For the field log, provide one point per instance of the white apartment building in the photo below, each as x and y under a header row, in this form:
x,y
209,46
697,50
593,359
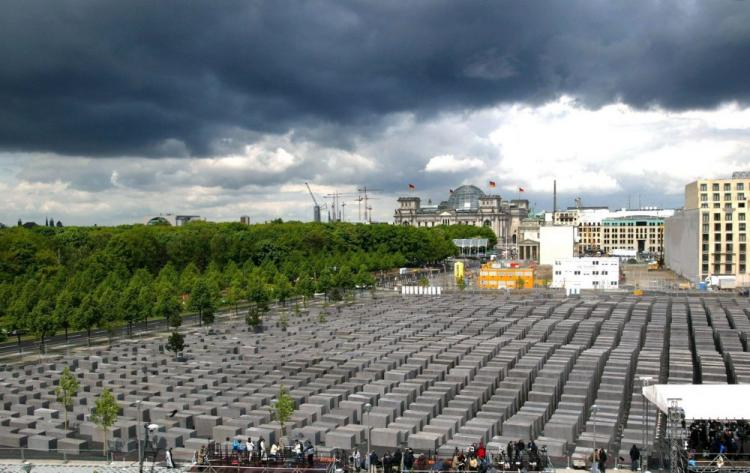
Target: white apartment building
x,y
575,274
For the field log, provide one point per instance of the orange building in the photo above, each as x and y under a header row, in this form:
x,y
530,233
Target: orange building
x,y
493,276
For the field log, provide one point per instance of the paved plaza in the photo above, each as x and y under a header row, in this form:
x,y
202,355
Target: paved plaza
x,y
438,373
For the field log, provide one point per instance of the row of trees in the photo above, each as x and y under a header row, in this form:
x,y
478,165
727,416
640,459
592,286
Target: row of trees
x,y
53,280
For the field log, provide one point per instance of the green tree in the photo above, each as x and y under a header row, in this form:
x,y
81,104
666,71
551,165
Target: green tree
x,y
283,408
169,278
167,307
88,315
202,301
282,288
176,343
66,391
137,299
305,287
188,277
520,283
461,284
65,308
284,321
234,294
41,323
106,411
423,281
257,293
254,318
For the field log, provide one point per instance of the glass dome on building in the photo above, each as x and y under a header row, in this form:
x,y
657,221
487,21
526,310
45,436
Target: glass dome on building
x,y
465,198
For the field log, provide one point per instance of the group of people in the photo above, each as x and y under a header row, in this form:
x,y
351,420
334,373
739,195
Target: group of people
x,y
598,461
712,437
514,451
391,462
474,459
239,452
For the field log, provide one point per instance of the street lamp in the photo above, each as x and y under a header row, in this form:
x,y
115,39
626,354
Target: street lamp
x,y
594,410
366,410
138,432
645,381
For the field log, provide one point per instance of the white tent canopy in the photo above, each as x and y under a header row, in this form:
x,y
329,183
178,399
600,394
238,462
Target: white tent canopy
x,y
703,401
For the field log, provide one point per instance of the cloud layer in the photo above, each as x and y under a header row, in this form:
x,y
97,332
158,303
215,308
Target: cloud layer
x,y
144,78
110,110
607,156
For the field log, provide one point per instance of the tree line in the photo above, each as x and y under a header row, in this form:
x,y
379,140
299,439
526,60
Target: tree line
x,y
57,279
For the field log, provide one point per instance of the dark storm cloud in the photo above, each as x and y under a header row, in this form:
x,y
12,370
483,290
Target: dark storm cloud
x,y
168,78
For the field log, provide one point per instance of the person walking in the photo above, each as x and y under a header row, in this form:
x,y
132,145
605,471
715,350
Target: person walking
x,y
169,461
373,462
635,456
594,461
602,461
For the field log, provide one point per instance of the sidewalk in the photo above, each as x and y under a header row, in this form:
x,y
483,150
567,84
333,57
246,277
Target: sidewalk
x,y
80,466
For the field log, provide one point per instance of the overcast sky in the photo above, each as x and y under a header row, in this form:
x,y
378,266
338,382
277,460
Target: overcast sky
x,y
111,111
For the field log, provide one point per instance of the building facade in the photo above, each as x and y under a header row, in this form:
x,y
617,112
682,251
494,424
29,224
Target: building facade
x,y
721,212
556,243
586,273
494,276
467,205
604,231
641,233
682,234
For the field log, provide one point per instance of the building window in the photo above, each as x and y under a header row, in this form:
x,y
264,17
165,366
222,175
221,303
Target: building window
x,y
716,197
704,187
740,186
717,216
715,186
577,273
741,196
704,197
717,227
558,272
727,196
728,227
604,273
727,187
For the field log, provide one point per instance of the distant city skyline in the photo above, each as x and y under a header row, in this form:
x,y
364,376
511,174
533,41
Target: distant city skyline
x,y
111,112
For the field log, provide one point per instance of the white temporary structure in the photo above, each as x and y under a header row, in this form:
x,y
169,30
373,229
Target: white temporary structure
x,y
703,401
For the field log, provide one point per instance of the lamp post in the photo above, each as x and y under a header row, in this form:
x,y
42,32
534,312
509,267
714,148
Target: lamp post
x,y
594,410
645,381
366,410
138,433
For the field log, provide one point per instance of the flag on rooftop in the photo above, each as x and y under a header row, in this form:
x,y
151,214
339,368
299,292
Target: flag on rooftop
x,y
492,184
412,186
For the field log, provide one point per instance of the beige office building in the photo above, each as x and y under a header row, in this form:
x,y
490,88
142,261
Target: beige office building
x,y
722,211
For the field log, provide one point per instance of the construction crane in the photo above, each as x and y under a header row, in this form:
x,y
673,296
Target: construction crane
x,y
316,207
368,210
336,204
